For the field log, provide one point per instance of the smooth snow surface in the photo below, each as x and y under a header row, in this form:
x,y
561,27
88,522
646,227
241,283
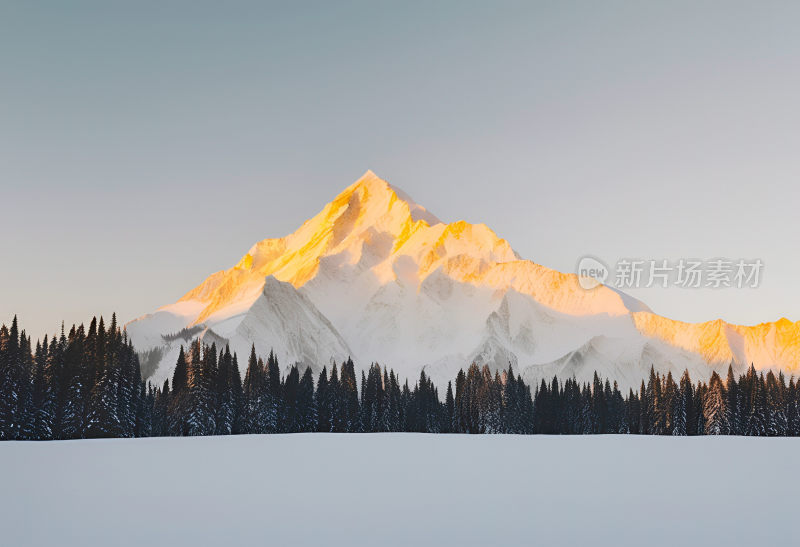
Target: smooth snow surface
x,y
400,489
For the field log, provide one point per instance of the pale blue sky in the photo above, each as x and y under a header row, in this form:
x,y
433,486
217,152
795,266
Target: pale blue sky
x,y
146,145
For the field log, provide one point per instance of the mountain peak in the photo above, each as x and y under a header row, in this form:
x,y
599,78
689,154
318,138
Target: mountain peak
x,y
373,191
369,176
367,187
376,276
370,181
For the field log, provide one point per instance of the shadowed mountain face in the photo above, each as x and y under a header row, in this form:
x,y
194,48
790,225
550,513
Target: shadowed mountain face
x,y
377,277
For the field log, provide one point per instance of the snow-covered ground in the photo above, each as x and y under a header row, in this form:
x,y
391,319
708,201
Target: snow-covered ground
x,y
400,489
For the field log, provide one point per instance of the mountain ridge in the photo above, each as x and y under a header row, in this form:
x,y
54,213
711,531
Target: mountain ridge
x,y
381,277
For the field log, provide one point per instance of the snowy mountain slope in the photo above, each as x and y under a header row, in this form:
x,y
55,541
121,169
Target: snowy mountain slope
x,y
767,345
624,360
280,319
376,276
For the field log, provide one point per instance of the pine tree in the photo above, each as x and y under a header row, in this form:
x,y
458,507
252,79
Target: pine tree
x,y
57,373
71,424
177,411
201,410
658,422
633,412
124,357
681,406
792,414
338,417
392,416
255,393
450,405
322,399
7,387
619,421
776,414
291,412
733,403
645,408
43,394
757,421
306,404
461,404
103,419
715,412
161,400
348,390
273,410
16,401
229,395
235,385
669,393
144,415
599,406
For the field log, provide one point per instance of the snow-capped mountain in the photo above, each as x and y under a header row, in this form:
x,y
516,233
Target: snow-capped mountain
x,y
377,277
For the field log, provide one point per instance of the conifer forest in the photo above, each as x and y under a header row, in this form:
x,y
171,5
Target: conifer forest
x,y
87,383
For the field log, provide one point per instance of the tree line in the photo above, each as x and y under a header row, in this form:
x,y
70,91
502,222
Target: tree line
x,y
86,383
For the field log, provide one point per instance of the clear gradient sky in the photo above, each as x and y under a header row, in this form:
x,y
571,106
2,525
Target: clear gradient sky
x,y
145,145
